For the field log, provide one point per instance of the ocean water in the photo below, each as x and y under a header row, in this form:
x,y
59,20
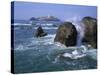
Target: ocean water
x,y
42,54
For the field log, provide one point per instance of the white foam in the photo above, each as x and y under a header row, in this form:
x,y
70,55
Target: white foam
x,y
78,56
75,52
47,27
47,40
67,55
74,55
21,47
84,49
19,24
51,35
60,46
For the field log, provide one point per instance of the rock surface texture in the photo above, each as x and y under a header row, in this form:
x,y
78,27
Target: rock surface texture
x,y
40,32
66,34
90,34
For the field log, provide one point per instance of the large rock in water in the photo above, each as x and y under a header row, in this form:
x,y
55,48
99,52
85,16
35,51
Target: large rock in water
x,y
90,35
40,32
66,34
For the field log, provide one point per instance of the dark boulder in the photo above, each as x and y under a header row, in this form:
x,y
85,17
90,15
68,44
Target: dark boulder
x,y
90,34
40,32
66,34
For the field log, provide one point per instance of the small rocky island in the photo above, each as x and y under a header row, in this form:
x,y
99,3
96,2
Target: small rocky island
x,y
48,18
44,18
40,32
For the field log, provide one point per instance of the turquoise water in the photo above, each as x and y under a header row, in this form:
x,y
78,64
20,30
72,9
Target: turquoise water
x,y
33,54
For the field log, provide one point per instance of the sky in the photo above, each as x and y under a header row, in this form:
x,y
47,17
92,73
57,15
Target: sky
x,y
26,10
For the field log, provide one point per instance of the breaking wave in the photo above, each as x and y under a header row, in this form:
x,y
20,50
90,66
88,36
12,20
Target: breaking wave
x,y
63,51
47,27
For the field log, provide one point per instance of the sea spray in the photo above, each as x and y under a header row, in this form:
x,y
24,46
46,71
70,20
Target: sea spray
x,y
28,56
80,29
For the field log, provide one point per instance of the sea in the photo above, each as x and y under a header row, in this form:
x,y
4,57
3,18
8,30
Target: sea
x,y
42,54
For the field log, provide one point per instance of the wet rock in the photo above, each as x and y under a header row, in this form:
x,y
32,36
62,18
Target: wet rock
x,y
66,34
90,34
40,32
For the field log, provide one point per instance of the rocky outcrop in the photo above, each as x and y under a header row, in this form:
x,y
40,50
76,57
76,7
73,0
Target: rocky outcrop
x,y
90,34
40,32
66,34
